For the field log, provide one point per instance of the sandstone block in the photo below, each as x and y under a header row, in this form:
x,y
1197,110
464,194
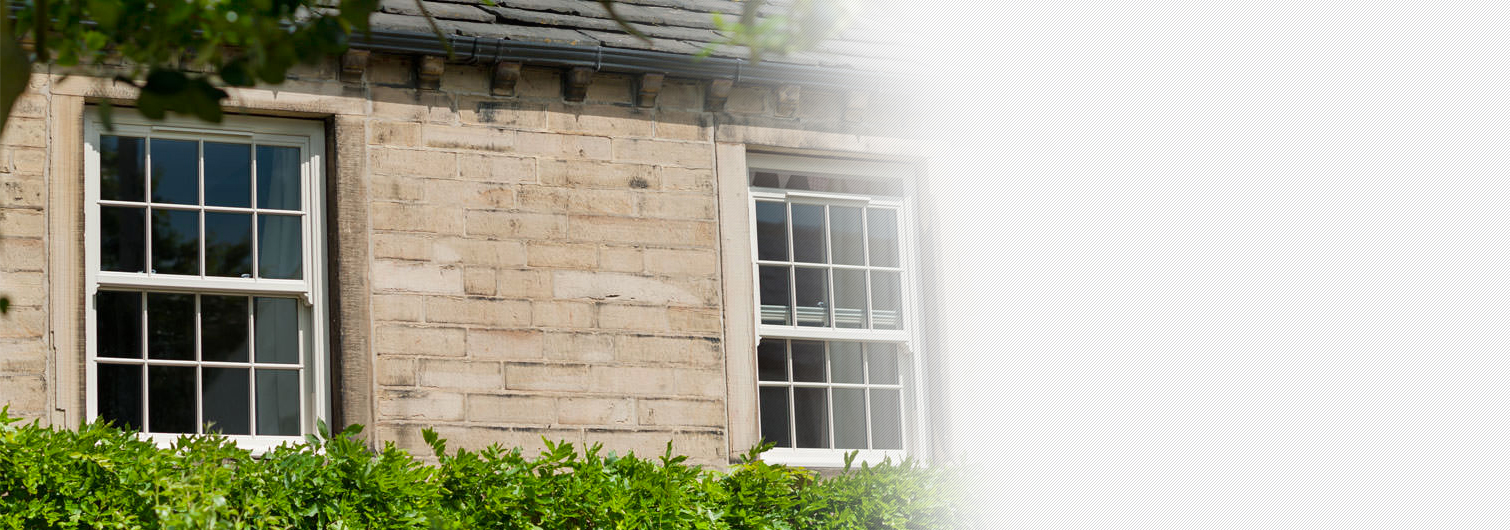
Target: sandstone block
x,y
595,411
479,252
623,230
601,120
643,318
515,225
634,380
420,404
676,262
596,174
417,340
501,409
677,206
688,412
546,376
620,287
416,218
510,344
395,371
398,307
677,350
497,168
389,133
412,162
583,347
416,277
621,259
524,283
564,145
480,281
463,137
468,374
556,314
485,311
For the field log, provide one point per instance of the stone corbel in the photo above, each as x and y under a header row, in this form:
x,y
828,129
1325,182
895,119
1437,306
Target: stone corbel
x,y
650,87
505,77
718,94
854,106
428,70
787,97
353,65
575,83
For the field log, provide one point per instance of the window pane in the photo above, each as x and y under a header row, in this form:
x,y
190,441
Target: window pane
x,y
278,178
228,174
123,239
123,161
228,244
886,295
223,320
807,361
848,236
770,230
844,362
883,237
807,233
775,421
118,325
279,247
277,330
277,402
849,298
883,363
775,295
118,391
170,399
812,297
175,171
170,326
772,360
812,417
849,418
175,242
765,180
227,400
886,419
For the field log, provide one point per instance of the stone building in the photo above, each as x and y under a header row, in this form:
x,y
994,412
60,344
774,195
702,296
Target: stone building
x,y
561,231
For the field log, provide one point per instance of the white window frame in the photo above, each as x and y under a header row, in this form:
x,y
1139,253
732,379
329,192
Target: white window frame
x,y
909,340
309,136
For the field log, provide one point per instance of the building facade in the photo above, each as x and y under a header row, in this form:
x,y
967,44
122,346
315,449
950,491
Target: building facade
x,y
561,231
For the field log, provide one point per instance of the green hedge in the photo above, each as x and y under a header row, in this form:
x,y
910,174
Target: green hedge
x,y
100,477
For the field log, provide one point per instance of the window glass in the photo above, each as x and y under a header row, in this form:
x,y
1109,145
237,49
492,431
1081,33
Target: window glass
x,y
277,330
227,400
228,174
170,399
118,324
278,178
775,295
223,320
812,296
848,235
123,161
175,171
279,253
807,233
175,242
772,360
278,402
770,230
118,387
170,326
775,420
228,244
123,234
883,237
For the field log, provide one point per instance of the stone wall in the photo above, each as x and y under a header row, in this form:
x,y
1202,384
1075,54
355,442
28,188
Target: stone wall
x,y
516,266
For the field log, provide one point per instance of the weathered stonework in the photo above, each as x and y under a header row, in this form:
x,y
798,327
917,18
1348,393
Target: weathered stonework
x,y
509,263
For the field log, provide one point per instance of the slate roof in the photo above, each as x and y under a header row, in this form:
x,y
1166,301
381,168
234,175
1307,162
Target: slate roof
x,y
675,26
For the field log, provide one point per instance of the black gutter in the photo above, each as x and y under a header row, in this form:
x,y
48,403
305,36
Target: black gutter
x,y
620,60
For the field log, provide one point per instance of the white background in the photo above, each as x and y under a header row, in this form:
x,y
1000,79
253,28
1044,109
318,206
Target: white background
x,y
1225,266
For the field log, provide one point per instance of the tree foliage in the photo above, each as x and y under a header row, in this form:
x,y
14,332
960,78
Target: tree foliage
x,y
101,477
